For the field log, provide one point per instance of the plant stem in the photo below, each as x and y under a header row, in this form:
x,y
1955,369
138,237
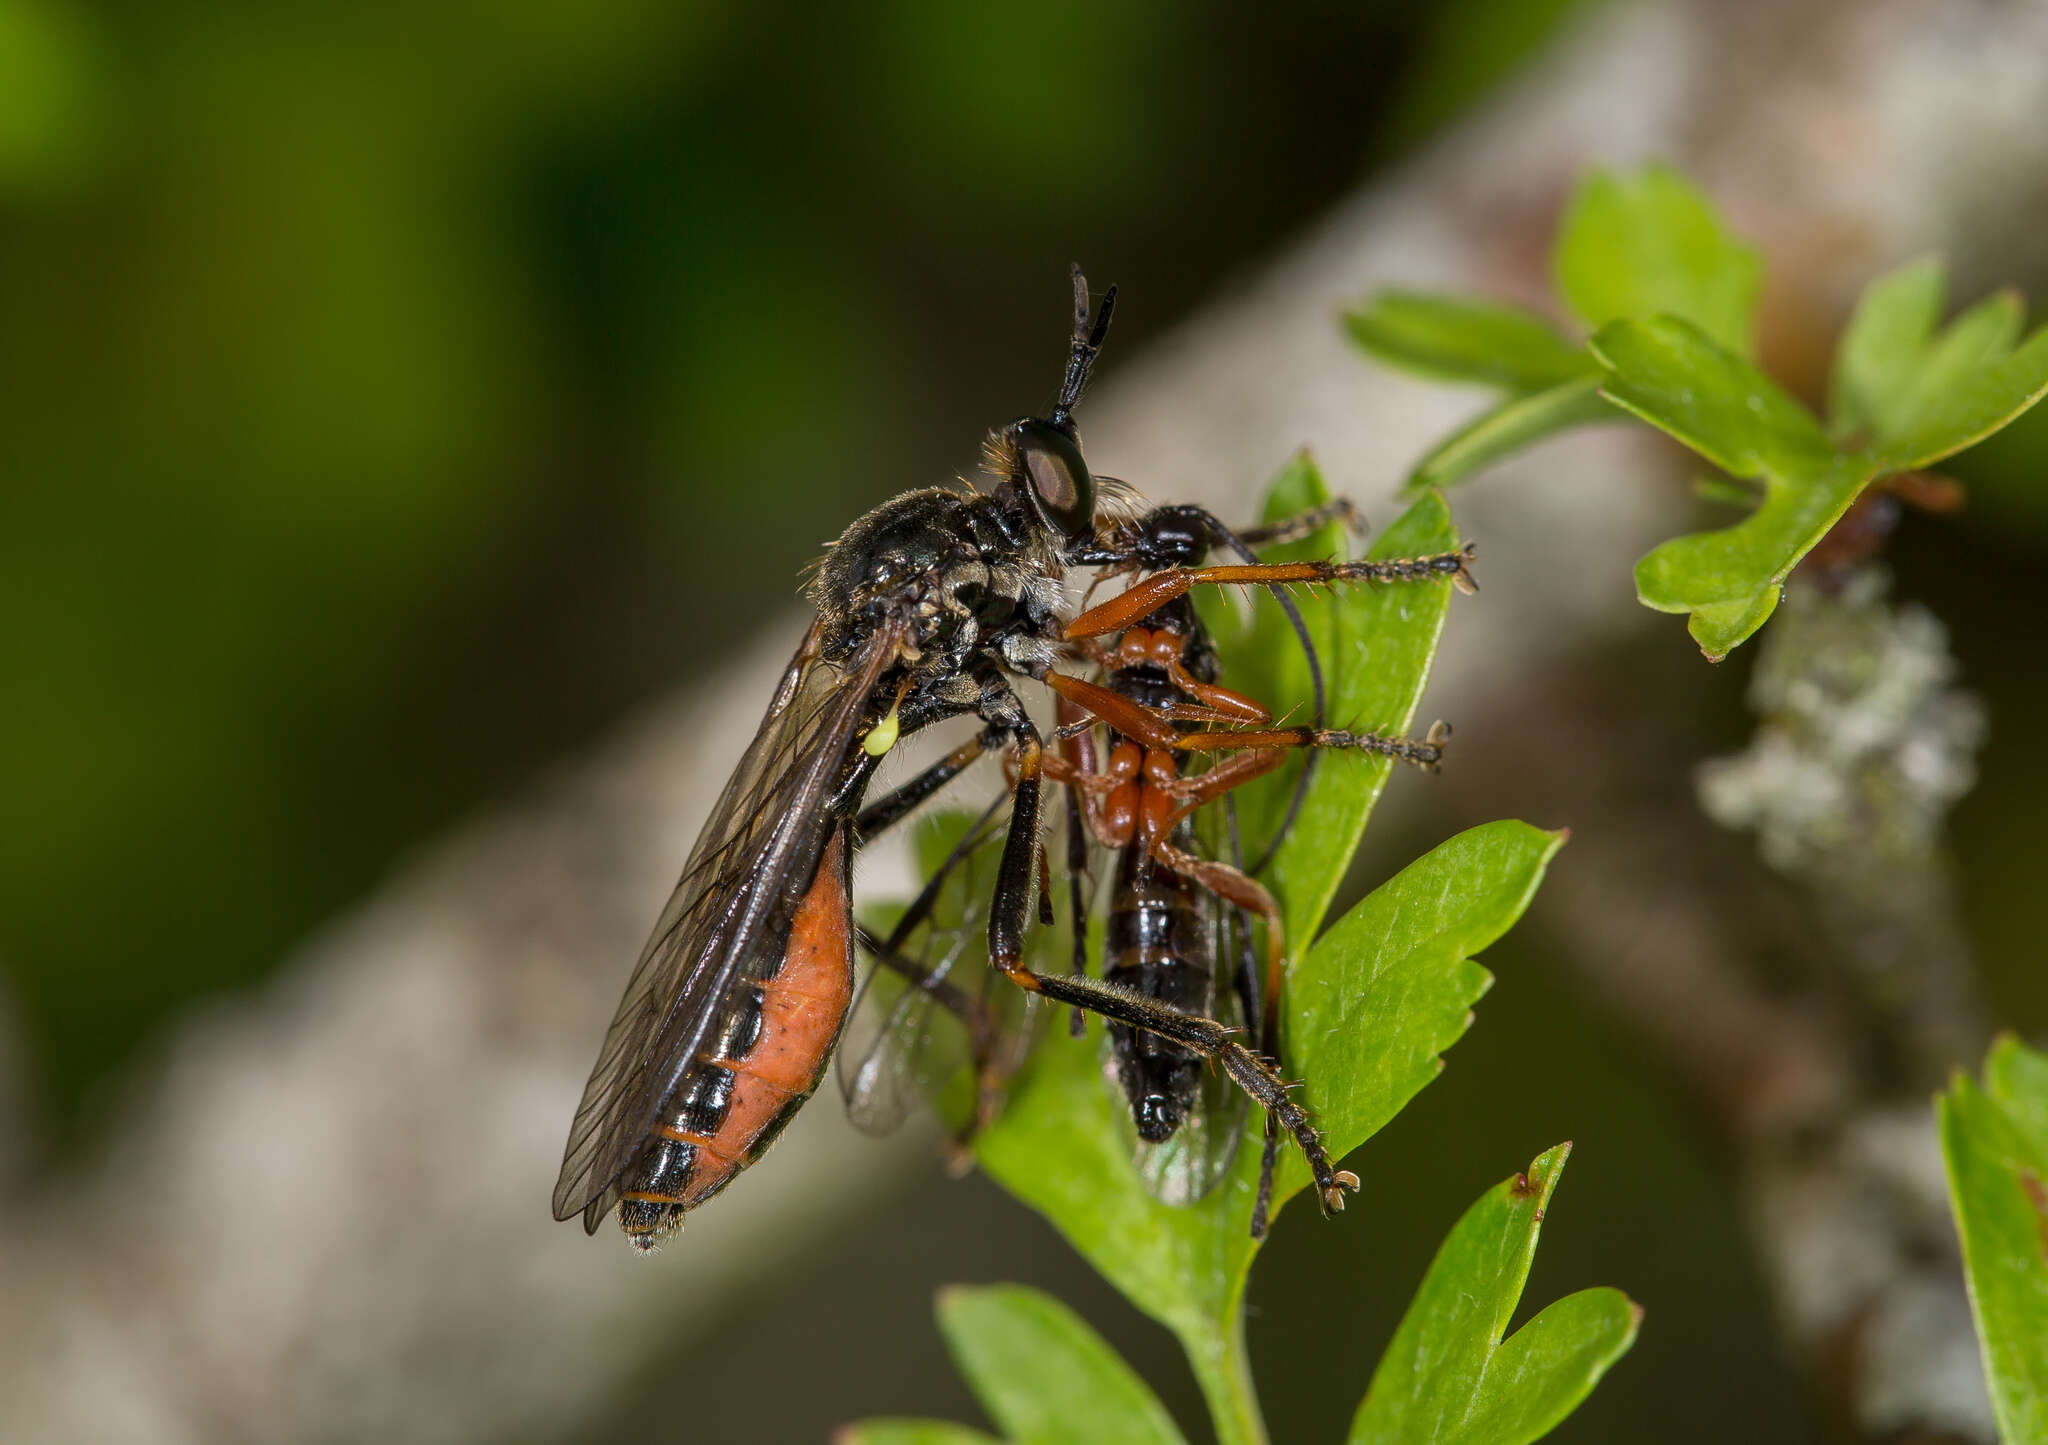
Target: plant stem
x,y
1223,1367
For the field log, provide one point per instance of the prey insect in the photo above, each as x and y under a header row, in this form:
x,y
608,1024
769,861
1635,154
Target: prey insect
x,y
935,605
1180,916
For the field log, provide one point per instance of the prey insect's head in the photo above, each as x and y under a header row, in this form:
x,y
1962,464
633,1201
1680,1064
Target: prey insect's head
x,y
1041,456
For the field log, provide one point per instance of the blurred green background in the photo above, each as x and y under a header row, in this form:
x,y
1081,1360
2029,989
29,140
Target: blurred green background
x,y
392,396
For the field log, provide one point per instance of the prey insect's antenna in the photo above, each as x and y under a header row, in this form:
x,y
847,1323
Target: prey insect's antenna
x,y
1087,342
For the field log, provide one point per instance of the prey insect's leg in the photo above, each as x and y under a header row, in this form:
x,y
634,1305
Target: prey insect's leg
x,y
1212,1040
1146,597
1155,729
1426,754
1232,885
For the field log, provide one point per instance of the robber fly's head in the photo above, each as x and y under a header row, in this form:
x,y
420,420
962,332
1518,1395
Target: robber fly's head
x,y
1046,465
1040,457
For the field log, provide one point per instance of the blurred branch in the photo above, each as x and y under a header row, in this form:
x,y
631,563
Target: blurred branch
x,y
323,1215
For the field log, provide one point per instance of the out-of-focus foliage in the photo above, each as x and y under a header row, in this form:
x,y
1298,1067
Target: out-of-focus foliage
x,y
1645,261
1369,1007
387,400
1995,1138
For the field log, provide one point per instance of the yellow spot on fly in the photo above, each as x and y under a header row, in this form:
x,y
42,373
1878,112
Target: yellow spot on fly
x,y
882,736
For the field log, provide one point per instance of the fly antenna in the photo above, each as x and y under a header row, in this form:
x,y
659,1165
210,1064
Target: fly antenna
x,y
1087,342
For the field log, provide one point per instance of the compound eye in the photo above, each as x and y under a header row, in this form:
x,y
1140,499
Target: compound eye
x,y
1059,479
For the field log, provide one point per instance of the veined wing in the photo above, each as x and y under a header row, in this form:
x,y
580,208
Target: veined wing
x,y
729,915
934,1022
1185,1166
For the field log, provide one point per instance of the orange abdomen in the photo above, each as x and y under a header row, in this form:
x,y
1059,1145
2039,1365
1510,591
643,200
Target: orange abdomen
x,y
765,1058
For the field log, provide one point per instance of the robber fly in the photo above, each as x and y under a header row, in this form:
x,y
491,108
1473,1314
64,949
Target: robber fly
x,y
930,607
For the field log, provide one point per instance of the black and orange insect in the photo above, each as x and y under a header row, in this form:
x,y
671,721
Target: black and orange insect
x,y
1177,930
933,606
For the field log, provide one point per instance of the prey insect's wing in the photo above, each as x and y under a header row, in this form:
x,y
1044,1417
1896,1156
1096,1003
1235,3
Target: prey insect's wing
x,y
1190,1162
934,1021
729,916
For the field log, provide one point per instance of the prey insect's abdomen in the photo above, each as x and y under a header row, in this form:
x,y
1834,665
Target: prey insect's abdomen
x,y
1159,946
762,1061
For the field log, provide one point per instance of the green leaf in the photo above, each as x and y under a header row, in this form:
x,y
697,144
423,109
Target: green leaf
x,y
909,1432
1010,1341
1672,375
1910,397
1449,1378
1380,640
1637,245
1391,986
1455,338
1059,1146
1368,1013
1675,376
1904,396
1995,1140
1878,353
1517,422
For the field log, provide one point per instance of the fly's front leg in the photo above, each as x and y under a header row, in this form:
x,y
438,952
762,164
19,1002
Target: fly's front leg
x,y
890,809
1144,598
1010,909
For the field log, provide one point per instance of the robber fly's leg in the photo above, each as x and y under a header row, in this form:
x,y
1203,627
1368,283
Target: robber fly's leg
x,y
1212,1040
1077,895
891,808
1010,909
1076,737
1303,524
992,1067
1144,598
991,1072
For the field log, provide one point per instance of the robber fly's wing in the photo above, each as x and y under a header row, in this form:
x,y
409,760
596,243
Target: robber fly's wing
x,y
1189,1163
927,1017
729,916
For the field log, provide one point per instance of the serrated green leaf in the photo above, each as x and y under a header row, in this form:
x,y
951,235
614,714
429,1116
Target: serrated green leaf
x,y
1879,352
1457,338
1009,1341
1672,375
1995,1141
1375,664
1516,423
1369,1012
909,1432
1449,1378
1381,996
1961,384
1675,376
1647,243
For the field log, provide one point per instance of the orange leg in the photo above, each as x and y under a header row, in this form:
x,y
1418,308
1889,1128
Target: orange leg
x,y
1141,601
1156,730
